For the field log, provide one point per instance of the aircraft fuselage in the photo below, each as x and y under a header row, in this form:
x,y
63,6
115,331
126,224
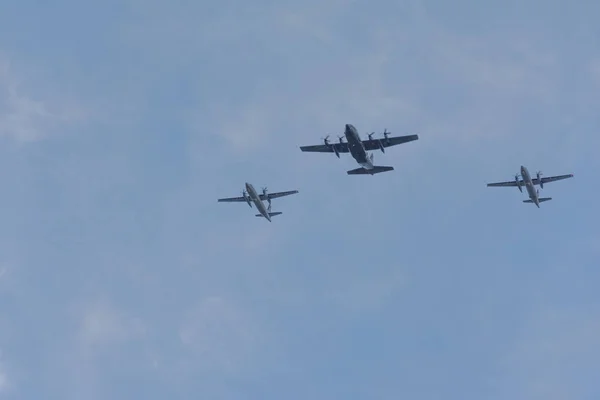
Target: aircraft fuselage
x,y
533,194
260,206
356,147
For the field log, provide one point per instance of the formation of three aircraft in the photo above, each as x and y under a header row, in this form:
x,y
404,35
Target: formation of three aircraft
x,y
358,149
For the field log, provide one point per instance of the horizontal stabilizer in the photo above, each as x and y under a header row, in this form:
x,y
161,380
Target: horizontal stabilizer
x,y
541,200
363,171
271,214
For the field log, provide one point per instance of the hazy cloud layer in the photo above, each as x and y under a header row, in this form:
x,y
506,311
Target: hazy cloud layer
x,y
122,277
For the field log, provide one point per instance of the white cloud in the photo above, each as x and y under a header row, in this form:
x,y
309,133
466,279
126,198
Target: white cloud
x,y
494,76
102,324
7,282
4,383
348,82
325,104
103,335
500,66
247,128
221,335
491,79
366,293
25,118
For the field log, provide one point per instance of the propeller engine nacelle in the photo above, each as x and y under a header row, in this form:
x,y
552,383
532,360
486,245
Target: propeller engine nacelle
x,y
518,183
335,150
247,198
539,179
265,193
378,142
386,134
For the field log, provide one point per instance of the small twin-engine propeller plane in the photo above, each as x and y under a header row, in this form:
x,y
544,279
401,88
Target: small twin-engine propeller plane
x,y
251,196
358,149
529,183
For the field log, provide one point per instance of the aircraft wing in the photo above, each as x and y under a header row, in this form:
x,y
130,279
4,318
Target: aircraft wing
x,y
374,144
277,195
535,181
551,179
505,184
326,148
232,200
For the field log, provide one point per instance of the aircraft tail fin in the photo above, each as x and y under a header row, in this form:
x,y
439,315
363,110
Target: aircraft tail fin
x,y
271,214
376,170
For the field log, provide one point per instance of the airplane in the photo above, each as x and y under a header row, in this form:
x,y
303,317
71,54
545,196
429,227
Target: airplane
x,y
358,149
534,194
251,196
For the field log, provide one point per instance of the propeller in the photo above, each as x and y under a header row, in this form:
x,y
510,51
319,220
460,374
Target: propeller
x,y
341,138
326,140
539,178
386,133
371,135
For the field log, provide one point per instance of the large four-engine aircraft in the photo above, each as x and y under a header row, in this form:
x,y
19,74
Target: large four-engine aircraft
x,y
251,196
529,183
358,149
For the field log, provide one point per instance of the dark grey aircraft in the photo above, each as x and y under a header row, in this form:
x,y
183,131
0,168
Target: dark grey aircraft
x,y
251,196
529,183
358,149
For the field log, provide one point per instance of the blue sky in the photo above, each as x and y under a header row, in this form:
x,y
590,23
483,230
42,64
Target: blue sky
x,y
122,122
